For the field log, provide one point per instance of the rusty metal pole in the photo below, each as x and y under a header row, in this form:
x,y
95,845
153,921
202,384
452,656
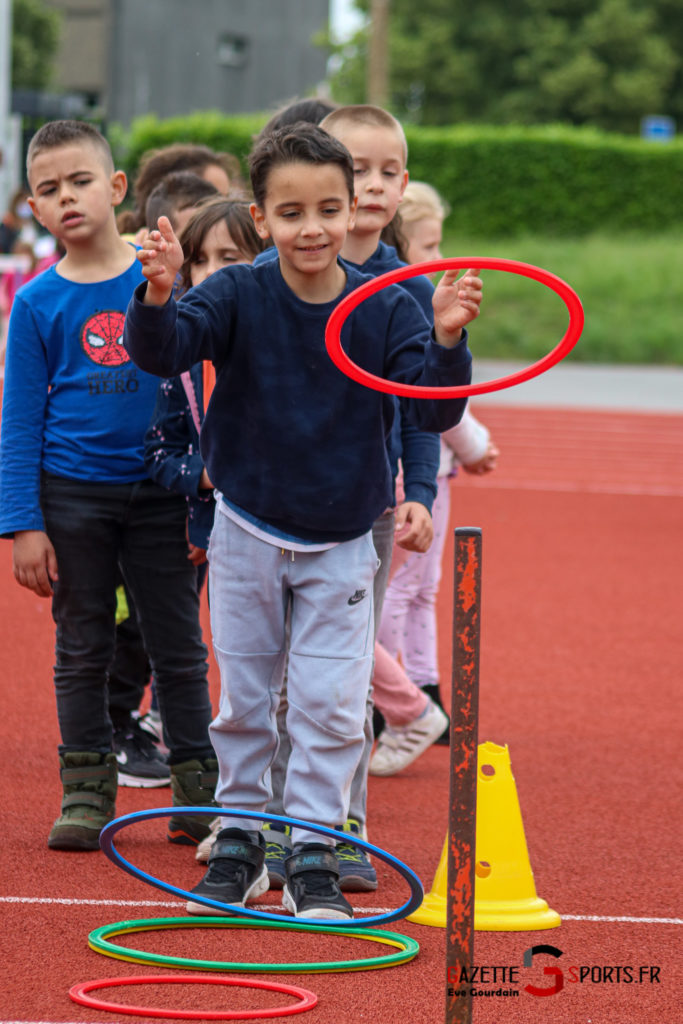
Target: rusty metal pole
x,y
463,777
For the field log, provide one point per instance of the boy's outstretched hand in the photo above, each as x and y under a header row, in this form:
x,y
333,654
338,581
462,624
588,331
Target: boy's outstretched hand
x,y
161,257
456,302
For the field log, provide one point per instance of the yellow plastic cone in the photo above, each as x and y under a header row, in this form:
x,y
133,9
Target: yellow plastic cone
x,y
504,891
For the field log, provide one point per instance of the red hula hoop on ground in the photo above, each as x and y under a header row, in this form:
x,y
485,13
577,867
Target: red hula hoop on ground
x,y
370,380
79,994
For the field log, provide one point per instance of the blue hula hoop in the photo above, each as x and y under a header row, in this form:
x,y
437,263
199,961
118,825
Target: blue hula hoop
x,y
107,846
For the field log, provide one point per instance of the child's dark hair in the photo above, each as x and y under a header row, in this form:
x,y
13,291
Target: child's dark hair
x,y
176,192
155,164
67,133
313,110
235,212
299,143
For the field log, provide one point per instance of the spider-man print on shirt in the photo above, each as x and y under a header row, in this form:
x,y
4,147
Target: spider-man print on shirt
x,y
102,338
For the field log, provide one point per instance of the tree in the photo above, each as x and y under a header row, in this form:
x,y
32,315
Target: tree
x,y
600,62
35,36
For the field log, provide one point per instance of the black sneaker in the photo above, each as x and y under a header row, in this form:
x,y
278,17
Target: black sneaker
x,y
141,764
237,871
312,886
356,873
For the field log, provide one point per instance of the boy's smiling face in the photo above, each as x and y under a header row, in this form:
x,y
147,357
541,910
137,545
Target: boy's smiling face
x,y
73,191
379,171
307,213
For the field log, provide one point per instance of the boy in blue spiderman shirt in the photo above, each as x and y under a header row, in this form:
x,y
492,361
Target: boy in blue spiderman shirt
x,y
75,495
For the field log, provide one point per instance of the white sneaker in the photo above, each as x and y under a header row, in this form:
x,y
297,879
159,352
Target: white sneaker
x,y
398,746
151,723
204,848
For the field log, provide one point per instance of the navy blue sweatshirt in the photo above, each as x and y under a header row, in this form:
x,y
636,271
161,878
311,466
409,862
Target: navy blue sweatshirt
x,y
418,450
287,436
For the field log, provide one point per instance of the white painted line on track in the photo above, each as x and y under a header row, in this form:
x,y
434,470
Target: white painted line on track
x,y
94,903
270,907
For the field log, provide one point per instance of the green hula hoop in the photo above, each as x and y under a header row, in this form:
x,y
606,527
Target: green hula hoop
x,y
98,940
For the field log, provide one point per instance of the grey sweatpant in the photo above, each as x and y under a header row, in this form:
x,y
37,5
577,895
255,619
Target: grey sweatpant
x,y
383,540
329,662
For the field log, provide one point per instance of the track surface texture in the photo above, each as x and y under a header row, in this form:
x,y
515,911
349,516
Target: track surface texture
x,y
580,676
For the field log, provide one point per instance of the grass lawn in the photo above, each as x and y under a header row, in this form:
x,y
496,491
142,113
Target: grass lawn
x,y
631,288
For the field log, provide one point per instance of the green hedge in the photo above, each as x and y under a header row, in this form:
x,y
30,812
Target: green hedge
x,y
552,180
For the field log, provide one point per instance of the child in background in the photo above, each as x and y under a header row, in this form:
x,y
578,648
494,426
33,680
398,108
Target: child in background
x,y
138,740
311,110
177,196
297,452
408,620
222,170
379,150
17,222
219,234
74,491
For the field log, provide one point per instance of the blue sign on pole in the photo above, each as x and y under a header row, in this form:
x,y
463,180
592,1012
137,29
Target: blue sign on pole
x,y
658,128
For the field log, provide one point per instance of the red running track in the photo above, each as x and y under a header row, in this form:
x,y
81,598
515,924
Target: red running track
x,y
581,659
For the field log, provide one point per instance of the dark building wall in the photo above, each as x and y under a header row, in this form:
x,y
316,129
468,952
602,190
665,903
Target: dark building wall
x,y
172,57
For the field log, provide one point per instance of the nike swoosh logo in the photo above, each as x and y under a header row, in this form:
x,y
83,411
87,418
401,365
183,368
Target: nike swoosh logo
x,y
358,596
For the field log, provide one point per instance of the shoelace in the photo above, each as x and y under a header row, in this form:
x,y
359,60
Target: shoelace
x,y
319,883
347,852
226,869
274,849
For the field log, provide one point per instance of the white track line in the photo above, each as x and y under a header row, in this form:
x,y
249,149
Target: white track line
x,y
606,919
148,903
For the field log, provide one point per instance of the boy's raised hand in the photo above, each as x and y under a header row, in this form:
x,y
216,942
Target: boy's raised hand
x,y
456,302
161,257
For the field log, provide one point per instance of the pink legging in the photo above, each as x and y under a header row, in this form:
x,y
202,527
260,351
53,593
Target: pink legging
x,y
408,623
399,700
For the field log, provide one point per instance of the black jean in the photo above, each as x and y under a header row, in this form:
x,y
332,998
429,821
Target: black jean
x,y
130,672
140,527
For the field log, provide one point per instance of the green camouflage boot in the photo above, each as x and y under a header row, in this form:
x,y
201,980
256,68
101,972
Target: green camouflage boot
x,y
89,781
193,784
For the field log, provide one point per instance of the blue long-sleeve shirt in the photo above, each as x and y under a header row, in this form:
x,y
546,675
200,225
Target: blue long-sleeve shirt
x,y
287,436
73,404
